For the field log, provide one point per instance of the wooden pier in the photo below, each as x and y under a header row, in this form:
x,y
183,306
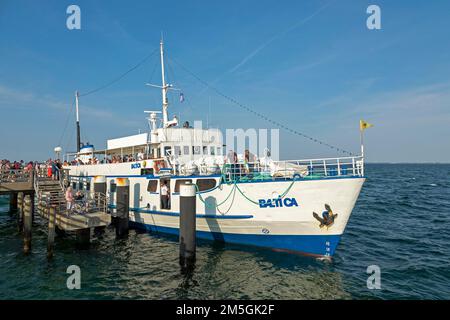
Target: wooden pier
x,y
33,192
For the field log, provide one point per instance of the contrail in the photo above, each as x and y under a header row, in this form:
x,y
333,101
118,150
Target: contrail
x,y
272,39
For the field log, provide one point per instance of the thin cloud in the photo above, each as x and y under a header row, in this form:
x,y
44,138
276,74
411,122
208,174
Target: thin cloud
x,y
277,36
13,98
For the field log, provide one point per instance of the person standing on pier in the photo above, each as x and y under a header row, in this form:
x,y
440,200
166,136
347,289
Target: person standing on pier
x,y
49,169
69,198
58,169
54,170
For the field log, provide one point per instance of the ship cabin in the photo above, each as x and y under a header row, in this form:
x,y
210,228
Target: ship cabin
x,y
164,150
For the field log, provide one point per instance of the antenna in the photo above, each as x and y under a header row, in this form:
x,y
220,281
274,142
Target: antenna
x,y
152,119
164,87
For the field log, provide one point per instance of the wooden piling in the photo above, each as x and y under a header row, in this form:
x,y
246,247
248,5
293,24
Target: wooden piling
x,y
32,205
99,187
83,237
51,231
20,207
19,202
122,207
13,201
27,224
187,236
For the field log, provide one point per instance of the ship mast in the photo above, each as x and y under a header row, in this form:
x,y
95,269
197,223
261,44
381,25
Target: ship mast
x,y
164,89
78,121
165,86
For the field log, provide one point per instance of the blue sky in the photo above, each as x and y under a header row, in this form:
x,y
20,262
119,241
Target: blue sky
x,y
312,65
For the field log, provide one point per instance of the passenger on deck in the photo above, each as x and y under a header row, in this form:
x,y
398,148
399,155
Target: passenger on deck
x,y
232,159
164,196
249,160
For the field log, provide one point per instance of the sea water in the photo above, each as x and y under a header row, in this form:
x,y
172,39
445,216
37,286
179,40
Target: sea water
x,y
400,223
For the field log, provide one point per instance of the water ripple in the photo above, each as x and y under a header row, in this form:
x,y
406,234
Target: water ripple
x,y
400,223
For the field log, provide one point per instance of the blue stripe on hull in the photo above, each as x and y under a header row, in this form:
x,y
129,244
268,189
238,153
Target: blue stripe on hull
x,y
316,245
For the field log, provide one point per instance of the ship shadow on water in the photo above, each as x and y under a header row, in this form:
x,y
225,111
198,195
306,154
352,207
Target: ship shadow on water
x,y
247,272
239,272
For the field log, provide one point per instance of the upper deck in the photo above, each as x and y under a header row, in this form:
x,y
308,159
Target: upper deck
x,y
261,170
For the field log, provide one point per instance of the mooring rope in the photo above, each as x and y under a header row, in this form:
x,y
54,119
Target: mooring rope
x,y
233,190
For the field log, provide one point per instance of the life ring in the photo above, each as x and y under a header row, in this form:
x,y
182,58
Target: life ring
x,y
157,165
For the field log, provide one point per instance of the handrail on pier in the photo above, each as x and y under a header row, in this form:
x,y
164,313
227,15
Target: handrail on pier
x,y
15,175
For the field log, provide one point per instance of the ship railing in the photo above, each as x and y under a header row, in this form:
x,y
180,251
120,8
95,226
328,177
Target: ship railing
x,y
295,169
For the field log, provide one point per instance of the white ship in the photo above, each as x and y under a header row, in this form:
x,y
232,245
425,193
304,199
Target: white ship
x,y
294,205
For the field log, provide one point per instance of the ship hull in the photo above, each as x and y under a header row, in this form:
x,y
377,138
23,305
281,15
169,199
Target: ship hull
x,y
314,245
291,229
282,214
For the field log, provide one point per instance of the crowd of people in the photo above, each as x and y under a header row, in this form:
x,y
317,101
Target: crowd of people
x,y
14,171
51,168
239,168
114,159
7,166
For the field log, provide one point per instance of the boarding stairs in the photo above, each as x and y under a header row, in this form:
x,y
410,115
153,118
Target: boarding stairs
x,y
91,213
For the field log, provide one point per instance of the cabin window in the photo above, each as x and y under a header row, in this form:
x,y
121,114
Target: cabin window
x,y
112,187
205,150
155,152
80,185
74,185
88,186
186,150
180,182
219,151
196,150
211,150
177,150
152,185
146,171
205,184
167,151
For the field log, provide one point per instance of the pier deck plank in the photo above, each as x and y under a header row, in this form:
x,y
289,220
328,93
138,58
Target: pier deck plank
x,y
74,222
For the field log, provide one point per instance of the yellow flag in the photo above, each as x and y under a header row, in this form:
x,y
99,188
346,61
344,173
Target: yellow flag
x,y
364,125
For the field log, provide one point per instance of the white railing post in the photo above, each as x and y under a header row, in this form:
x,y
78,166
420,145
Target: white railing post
x,y
325,167
353,165
339,167
362,167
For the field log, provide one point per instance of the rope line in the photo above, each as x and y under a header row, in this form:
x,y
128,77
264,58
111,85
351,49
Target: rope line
x,y
233,191
121,76
260,115
67,123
